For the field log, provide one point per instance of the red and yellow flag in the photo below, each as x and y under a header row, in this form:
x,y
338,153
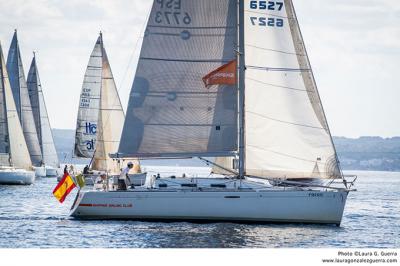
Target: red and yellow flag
x,y
64,187
225,74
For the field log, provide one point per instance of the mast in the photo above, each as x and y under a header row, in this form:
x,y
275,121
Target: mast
x,y
241,88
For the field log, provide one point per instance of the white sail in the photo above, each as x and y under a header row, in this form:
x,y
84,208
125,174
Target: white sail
x,y
88,113
13,141
100,115
170,111
287,134
111,120
22,101
43,128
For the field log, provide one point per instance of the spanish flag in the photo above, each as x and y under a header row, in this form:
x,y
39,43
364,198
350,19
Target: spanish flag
x,y
225,74
64,187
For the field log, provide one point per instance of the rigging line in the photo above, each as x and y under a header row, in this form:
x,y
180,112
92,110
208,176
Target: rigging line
x,y
141,35
278,86
192,35
285,122
266,14
273,50
185,27
284,154
188,60
283,69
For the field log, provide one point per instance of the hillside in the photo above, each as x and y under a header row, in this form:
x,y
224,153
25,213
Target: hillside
x,y
364,153
369,153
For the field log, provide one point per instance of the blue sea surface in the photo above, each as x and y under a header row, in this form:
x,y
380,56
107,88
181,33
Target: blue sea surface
x,y
31,217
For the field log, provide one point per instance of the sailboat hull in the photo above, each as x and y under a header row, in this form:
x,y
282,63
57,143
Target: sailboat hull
x,y
16,177
51,171
40,171
290,206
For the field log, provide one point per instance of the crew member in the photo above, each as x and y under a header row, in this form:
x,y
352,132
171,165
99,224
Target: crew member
x,y
122,184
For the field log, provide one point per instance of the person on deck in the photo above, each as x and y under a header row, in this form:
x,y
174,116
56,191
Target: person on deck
x,y
122,184
66,169
86,170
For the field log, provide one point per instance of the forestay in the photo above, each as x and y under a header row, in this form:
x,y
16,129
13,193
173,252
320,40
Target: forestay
x,y
43,128
14,151
286,131
22,101
170,111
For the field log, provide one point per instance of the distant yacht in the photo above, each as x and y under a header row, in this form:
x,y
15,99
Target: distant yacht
x,y
15,162
100,117
48,150
21,97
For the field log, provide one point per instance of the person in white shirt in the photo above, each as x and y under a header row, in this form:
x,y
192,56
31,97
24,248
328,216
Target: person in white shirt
x,y
122,184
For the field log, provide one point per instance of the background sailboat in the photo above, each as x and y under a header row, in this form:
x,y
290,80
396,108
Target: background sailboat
x,y
15,162
42,123
21,96
100,115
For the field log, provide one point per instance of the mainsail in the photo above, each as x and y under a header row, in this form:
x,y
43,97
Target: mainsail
x,y
170,111
13,148
22,101
42,123
100,115
170,114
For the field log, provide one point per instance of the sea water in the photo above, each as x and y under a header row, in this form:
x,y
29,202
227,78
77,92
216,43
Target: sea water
x,y
30,217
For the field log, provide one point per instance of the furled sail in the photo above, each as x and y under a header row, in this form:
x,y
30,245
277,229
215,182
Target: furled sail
x,y
22,101
89,104
13,148
287,134
100,115
170,111
46,140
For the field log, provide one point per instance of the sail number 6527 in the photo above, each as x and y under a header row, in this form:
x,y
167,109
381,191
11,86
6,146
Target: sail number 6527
x,y
266,5
263,21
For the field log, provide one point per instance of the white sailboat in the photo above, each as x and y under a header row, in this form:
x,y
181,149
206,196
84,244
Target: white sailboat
x,y
263,120
100,117
15,163
21,97
42,123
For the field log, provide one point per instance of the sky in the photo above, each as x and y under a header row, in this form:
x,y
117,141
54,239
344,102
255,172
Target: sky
x,y
353,46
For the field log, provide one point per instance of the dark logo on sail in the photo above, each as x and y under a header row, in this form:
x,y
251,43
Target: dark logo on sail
x,y
90,145
90,128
